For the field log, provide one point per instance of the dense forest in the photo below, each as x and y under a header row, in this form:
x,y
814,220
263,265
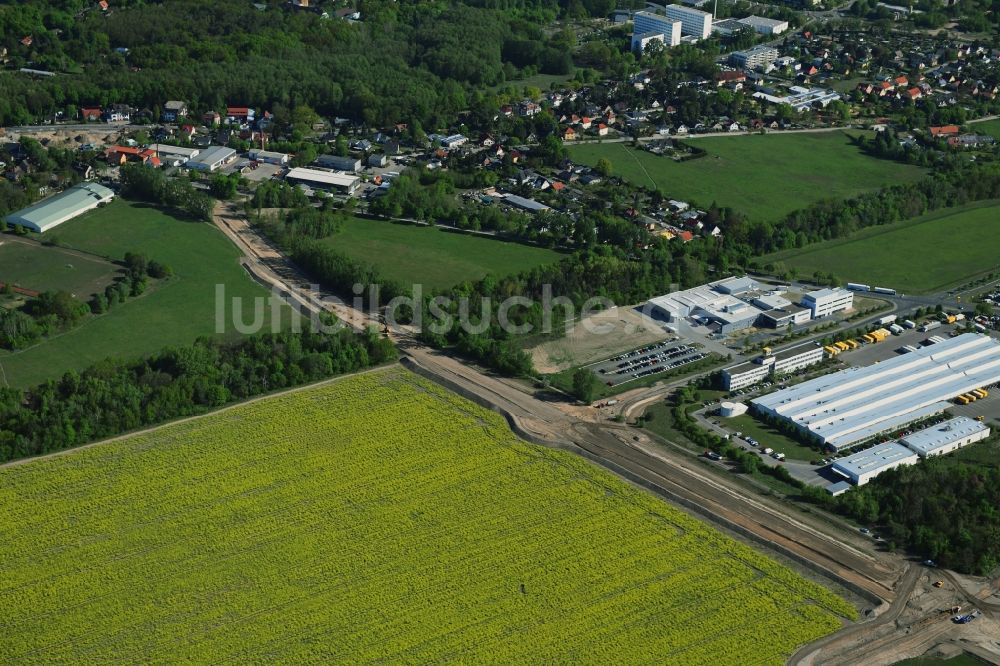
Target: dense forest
x,y
409,60
113,396
945,509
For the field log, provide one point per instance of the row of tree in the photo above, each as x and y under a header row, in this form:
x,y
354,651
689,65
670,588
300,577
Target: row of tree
x,y
114,396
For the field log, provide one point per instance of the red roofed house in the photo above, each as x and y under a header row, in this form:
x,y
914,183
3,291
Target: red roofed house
x,y
239,114
945,130
121,154
901,80
914,93
686,236
27,40
569,134
730,77
91,113
103,4
602,129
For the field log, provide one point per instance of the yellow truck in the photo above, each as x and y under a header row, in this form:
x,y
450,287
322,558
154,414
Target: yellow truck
x,y
971,397
980,393
831,350
868,338
853,344
962,400
951,319
842,346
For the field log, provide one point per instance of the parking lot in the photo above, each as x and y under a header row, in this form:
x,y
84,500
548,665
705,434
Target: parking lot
x,y
650,360
880,351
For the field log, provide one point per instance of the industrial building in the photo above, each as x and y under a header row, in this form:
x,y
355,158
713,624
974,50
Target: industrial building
x,y
771,365
785,316
352,164
647,27
214,158
827,301
864,466
61,207
694,22
849,407
269,157
174,155
764,26
801,99
714,303
946,437
525,204
758,56
324,180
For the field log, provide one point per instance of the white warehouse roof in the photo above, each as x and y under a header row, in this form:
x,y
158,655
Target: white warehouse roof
x,y
871,462
61,207
164,149
852,405
324,177
925,442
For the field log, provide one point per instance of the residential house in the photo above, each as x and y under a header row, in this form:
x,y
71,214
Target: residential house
x,y
212,118
118,113
602,129
569,134
91,114
945,130
239,115
173,110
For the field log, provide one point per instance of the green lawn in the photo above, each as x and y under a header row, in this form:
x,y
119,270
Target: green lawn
x,y
43,268
922,255
991,127
765,177
173,313
432,257
769,437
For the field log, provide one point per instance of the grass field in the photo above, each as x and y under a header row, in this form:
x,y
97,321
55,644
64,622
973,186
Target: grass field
x,y
175,312
765,177
922,255
991,127
43,268
377,518
769,437
427,255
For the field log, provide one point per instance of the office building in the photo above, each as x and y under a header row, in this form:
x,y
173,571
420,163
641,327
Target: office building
x,y
758,56
647,27
827,301
694,22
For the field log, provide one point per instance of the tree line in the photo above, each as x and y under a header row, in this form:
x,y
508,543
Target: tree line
x,y
114,397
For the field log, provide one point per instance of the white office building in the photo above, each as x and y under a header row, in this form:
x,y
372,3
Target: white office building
x,y
694,22
647,27
864,466
771,365
946,437
827,301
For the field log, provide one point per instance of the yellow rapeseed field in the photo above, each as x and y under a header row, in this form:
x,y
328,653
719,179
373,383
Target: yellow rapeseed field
x,y
377,518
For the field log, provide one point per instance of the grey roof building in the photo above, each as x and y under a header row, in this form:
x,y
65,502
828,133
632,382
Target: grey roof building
x,y
62,207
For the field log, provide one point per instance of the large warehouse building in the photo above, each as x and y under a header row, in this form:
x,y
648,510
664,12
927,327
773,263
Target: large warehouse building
x,y
324,180
851,406
62,207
